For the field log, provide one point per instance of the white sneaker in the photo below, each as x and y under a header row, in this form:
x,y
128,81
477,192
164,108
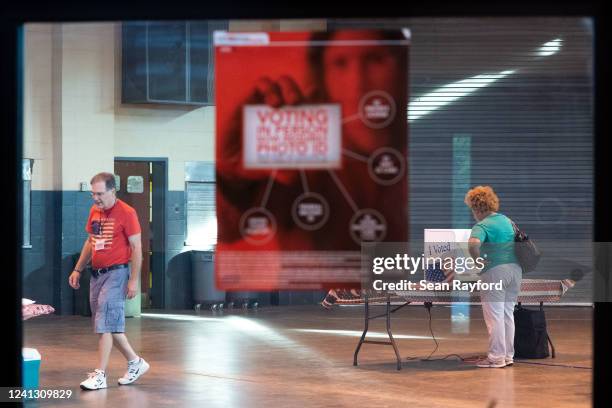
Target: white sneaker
x,y
509,361
134,371
486,363
95,381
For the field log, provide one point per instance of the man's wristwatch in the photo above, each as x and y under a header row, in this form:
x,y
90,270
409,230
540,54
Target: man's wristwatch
x,y
76,270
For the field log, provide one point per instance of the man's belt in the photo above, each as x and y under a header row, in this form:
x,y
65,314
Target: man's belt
x,y
101,271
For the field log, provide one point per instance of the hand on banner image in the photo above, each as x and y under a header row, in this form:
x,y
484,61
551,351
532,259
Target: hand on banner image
x,y
283,91
73,280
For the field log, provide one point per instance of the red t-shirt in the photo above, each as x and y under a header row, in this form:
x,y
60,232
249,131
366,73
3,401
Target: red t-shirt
x,y
109,231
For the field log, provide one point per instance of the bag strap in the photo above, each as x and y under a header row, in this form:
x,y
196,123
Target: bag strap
x,y
514,226
552,347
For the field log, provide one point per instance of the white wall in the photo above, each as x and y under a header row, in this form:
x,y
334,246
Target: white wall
x,y
179,133
75,124
68,103
39,108
87,101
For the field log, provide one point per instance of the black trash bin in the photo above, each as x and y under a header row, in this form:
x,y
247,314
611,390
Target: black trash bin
x,y
81,295
205,292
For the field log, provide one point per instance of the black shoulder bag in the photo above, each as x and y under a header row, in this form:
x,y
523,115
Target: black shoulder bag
x,y
531,339
526,251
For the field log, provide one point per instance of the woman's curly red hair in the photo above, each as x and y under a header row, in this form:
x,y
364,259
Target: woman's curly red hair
x,y
482,199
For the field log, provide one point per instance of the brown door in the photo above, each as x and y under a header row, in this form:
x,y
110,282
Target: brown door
x,y
135,190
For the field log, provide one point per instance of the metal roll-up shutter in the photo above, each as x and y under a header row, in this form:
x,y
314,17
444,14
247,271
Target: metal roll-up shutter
x,y
506,102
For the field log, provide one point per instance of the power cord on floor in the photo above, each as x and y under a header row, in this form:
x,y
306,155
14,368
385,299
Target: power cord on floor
x,y
428,358
476,358
553,365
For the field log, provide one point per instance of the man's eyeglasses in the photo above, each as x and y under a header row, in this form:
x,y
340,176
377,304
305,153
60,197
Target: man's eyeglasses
x,y
98,194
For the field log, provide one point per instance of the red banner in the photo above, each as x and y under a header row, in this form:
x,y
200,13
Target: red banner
x,y
311,155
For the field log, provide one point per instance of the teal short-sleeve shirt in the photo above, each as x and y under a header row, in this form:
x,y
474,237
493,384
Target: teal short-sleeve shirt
x,y
496,234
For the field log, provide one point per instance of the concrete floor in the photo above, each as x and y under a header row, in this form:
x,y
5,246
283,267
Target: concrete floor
x,y
301,356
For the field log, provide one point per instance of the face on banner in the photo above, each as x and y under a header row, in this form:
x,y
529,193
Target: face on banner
x,y
360,79
310,155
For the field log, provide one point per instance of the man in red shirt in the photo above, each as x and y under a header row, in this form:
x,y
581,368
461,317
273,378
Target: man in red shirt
x,y
114,240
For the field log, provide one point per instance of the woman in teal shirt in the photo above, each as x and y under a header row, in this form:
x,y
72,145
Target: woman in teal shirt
x,y
492,238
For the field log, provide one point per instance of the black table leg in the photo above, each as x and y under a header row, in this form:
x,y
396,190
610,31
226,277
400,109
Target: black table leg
x,y
365,330
367,319
397,354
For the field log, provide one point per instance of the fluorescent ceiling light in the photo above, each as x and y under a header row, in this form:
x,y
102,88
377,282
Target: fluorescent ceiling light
x,y
423,105
449,93
550,48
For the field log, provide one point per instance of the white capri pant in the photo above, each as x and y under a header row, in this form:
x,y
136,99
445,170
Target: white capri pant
x,y
498,310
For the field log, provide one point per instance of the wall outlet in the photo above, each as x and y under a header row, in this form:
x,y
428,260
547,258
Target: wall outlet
x,y
85,186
